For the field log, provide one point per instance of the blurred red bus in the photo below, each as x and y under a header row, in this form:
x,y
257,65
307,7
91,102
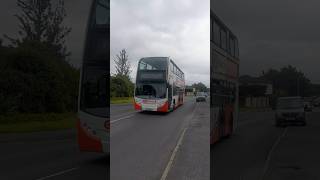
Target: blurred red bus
x,y
93,126
224,80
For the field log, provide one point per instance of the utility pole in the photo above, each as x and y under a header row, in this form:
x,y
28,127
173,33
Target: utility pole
x,y
298,86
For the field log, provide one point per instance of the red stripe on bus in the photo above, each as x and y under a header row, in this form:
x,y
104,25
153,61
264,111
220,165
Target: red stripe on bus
x,y
215,135
228,120
87,142
226,128
164,108
137,106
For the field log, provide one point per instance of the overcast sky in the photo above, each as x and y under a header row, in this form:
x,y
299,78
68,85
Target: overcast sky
x,y
271,33
275,33
179,29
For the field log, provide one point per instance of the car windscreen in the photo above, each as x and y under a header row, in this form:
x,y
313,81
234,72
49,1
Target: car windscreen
x,y
289,103
200,94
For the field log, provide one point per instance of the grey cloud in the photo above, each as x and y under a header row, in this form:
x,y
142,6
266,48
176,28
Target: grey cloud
x,y
179,29
274,33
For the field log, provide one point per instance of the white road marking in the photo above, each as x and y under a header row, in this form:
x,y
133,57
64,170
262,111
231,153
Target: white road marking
x,y
58,173
173,155
266,165
178,145
125,117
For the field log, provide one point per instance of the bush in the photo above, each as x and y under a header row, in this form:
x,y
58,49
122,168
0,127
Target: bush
x,y
34,80
121,86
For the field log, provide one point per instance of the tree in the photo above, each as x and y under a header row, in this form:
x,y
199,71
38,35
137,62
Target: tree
x,y
122,64
252,90
200,87
36,81
40,21
121,86
288,81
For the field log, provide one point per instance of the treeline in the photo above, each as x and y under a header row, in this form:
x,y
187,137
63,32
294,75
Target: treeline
x,y
286,81
35,75
121,86
199,87
120,83
34,80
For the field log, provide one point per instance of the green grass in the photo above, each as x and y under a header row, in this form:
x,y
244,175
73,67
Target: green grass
x,y
121,100
19,123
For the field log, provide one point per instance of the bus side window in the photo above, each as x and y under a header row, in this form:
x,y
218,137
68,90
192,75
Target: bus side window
x,y
232,46
216,33
101,11
174,89
223,39
236,49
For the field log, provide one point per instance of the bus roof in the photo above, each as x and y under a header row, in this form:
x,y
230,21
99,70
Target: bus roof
x,y
154,57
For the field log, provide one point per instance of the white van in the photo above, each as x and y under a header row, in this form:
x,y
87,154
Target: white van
x,y
290,110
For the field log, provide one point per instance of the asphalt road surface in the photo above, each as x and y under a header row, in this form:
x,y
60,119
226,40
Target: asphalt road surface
x,y
147,146
144,146
48,156
260,151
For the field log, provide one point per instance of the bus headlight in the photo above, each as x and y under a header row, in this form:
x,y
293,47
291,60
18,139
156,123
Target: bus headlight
x,y
160,103
138,100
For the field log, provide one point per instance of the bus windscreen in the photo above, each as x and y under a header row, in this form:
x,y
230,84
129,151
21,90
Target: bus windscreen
x,y
153,63
151,90
94,91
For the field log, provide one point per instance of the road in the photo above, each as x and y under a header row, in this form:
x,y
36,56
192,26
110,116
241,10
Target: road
x,y
48,156
144,146
259,150
147,146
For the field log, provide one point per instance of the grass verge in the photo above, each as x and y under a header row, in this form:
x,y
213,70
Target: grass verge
x,y
20,123
121,100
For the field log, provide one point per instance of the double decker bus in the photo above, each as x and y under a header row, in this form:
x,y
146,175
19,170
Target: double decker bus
x,y
160,85
93,125
224,75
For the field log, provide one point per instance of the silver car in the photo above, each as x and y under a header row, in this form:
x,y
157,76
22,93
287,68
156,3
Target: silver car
x,y
201,96
290,110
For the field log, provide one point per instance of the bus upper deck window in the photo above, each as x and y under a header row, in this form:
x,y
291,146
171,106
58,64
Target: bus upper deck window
x,y
232,46
236,49
216,33
102,10
223,39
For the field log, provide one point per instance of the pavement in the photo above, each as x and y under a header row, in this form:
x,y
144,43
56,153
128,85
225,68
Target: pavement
x,y
49,155
260,151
